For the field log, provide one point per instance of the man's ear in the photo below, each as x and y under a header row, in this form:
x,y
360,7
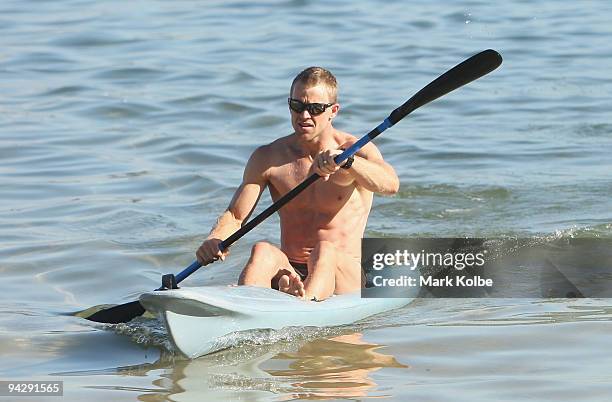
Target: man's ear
x,y
335,109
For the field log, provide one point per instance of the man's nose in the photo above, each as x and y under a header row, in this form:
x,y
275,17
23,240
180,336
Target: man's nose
x,y
305,114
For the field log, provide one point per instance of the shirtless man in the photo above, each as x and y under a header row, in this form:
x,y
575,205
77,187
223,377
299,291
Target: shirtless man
x,y
321,229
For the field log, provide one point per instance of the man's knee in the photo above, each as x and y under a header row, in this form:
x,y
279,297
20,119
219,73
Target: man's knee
x,y
262,265
261,249
265,253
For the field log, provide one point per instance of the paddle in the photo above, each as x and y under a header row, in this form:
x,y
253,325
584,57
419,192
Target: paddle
x,y
465,72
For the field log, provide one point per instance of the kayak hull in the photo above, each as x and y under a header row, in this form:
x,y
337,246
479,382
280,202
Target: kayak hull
x,y
199,318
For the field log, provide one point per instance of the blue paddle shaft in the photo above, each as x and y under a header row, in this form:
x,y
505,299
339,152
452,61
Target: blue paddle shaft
x,y
353,149
188,271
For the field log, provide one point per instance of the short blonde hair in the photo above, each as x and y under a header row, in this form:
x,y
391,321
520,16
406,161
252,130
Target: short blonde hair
x,y
313,76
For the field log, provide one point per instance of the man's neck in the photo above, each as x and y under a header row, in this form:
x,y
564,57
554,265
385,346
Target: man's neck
x,y
322,142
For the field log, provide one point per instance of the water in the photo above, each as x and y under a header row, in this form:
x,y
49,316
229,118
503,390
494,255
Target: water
x,y
124,128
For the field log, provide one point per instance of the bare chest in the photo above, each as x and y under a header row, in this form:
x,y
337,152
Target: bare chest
x,y
323,196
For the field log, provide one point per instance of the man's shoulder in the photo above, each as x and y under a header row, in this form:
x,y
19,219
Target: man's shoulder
x,y
346,140
344,137
268,152
277,144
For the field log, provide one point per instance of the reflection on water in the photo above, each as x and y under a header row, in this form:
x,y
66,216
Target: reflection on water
x,y
339,367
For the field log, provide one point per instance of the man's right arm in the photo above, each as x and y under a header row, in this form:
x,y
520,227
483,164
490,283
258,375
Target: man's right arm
x,y
240,208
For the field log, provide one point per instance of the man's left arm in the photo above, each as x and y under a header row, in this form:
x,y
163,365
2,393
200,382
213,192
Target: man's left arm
x,y
370,171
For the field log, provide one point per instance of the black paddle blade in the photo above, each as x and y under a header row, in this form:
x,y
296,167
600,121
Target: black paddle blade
x,y
118,314
469,70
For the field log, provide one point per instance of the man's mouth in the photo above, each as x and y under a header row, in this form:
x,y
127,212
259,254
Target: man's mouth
x,y
305,124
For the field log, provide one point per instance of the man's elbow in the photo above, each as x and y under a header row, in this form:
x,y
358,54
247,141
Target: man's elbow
x,y
236,218
391,187
394,186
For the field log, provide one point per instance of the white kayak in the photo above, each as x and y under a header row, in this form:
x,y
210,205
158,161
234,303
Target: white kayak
x,y
198,318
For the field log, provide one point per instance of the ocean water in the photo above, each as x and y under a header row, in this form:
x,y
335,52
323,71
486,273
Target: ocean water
x,y
124,129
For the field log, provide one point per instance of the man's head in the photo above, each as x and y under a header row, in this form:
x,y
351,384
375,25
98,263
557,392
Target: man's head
x,y
314,76
313,102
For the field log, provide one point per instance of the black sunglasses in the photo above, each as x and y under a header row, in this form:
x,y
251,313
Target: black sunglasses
x,y
313,108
